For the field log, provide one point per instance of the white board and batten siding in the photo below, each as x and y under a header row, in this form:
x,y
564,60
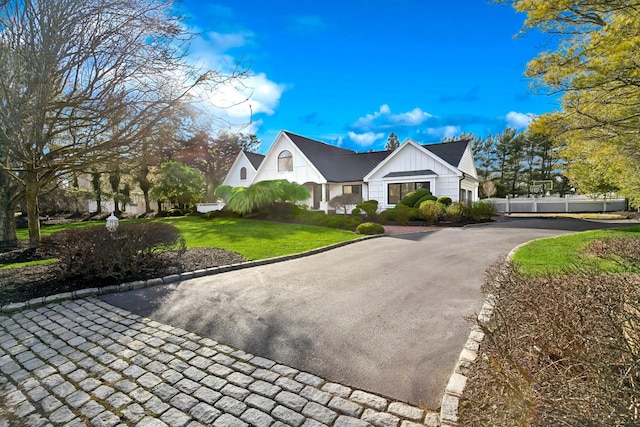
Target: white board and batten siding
x,y
466,162
411,157
303,170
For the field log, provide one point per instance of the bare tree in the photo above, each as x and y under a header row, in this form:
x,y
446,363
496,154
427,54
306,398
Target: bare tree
x,y
82,81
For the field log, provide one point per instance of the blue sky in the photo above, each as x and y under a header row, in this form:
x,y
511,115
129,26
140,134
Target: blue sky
x,y
350,72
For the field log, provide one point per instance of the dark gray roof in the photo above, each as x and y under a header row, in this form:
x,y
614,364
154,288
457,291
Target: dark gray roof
x,y
337,164
450,152
410,173
341,165
254,158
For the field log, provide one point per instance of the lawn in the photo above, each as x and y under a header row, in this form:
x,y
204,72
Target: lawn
x,y
251,238
562,253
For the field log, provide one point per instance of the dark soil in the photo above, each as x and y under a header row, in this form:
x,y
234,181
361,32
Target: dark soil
x,y
23,284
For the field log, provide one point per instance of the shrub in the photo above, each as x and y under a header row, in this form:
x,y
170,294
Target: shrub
x,y
560,350
457,212
432,211
482,211
411,198
370,208
399,215
370,228
445,200
175,212
425,198
356,211
130,253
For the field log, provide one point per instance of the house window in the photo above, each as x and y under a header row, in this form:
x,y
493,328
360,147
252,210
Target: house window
x,y
285,161
243,173
355,189
397,191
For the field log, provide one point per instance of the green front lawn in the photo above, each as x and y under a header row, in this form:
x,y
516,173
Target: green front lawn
x,y
251,238
562,253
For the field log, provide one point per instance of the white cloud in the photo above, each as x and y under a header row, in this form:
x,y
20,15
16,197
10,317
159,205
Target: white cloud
x,y
519,120
365,139
232,103
444,131
385,119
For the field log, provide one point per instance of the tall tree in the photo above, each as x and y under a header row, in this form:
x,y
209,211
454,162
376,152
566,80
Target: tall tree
x,y
84,80
392,142
179,184
214,155
595,67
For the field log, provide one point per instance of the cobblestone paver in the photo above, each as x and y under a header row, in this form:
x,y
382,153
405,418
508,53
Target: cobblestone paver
x,y
87,363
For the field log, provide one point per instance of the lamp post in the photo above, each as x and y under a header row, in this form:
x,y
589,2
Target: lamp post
x,y
112,223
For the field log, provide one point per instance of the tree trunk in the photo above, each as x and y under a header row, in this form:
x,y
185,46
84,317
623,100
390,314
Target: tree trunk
x,y
33,212
147,202
8,237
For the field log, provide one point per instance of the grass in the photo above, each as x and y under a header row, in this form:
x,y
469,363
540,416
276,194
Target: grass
x,y
251,238
28,263
562,253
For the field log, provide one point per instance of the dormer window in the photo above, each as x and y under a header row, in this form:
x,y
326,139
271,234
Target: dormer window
x,y
243,173
285,161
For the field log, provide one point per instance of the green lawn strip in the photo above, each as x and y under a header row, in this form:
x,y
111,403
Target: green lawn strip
x,y
251,238
28,263
255,239
562,253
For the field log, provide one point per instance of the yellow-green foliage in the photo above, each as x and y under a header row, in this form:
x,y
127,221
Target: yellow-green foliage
x,y
370,228
432,211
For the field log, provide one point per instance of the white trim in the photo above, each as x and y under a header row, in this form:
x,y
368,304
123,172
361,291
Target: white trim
x,y
420,148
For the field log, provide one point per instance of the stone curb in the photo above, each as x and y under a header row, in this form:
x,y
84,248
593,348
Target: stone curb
x,y
139,284
458,380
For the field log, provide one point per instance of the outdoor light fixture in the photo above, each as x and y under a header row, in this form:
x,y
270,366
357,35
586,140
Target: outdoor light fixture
x,y
112,223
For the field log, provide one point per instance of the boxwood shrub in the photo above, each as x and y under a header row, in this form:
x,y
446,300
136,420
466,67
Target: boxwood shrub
x,y
411,198
445,200
370,228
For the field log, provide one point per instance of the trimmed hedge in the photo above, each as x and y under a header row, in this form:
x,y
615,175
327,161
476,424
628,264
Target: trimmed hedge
x,y
370,228
424,199
411,198
445,200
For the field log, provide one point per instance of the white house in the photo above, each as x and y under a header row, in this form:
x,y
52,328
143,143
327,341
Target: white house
x,y
446,169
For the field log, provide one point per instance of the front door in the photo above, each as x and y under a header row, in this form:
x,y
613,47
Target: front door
x,y
317,195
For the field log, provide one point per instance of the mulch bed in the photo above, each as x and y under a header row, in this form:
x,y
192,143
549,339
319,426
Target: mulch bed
x,y
23,284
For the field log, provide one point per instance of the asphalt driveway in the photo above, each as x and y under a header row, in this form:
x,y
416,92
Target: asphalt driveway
x,y
385,315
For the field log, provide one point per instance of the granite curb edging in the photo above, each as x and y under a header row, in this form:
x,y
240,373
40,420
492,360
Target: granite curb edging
x,y
139,284
468,355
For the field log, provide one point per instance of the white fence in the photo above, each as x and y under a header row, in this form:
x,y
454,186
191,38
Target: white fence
x,y
208,207
551,204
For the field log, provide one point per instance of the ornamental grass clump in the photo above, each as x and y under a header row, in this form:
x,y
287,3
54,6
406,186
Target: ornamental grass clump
x,y
431,211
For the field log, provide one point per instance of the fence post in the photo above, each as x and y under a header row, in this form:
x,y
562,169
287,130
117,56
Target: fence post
x,y
507,208
566,203
535,204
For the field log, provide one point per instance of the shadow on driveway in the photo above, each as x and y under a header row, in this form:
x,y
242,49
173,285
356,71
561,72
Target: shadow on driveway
x,y
385,315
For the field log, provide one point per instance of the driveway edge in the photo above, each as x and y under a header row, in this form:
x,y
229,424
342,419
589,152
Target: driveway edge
x,y
468,355
139,284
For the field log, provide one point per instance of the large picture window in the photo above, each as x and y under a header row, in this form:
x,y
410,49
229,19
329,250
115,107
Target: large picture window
x,y
285,161
395,192
355,189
